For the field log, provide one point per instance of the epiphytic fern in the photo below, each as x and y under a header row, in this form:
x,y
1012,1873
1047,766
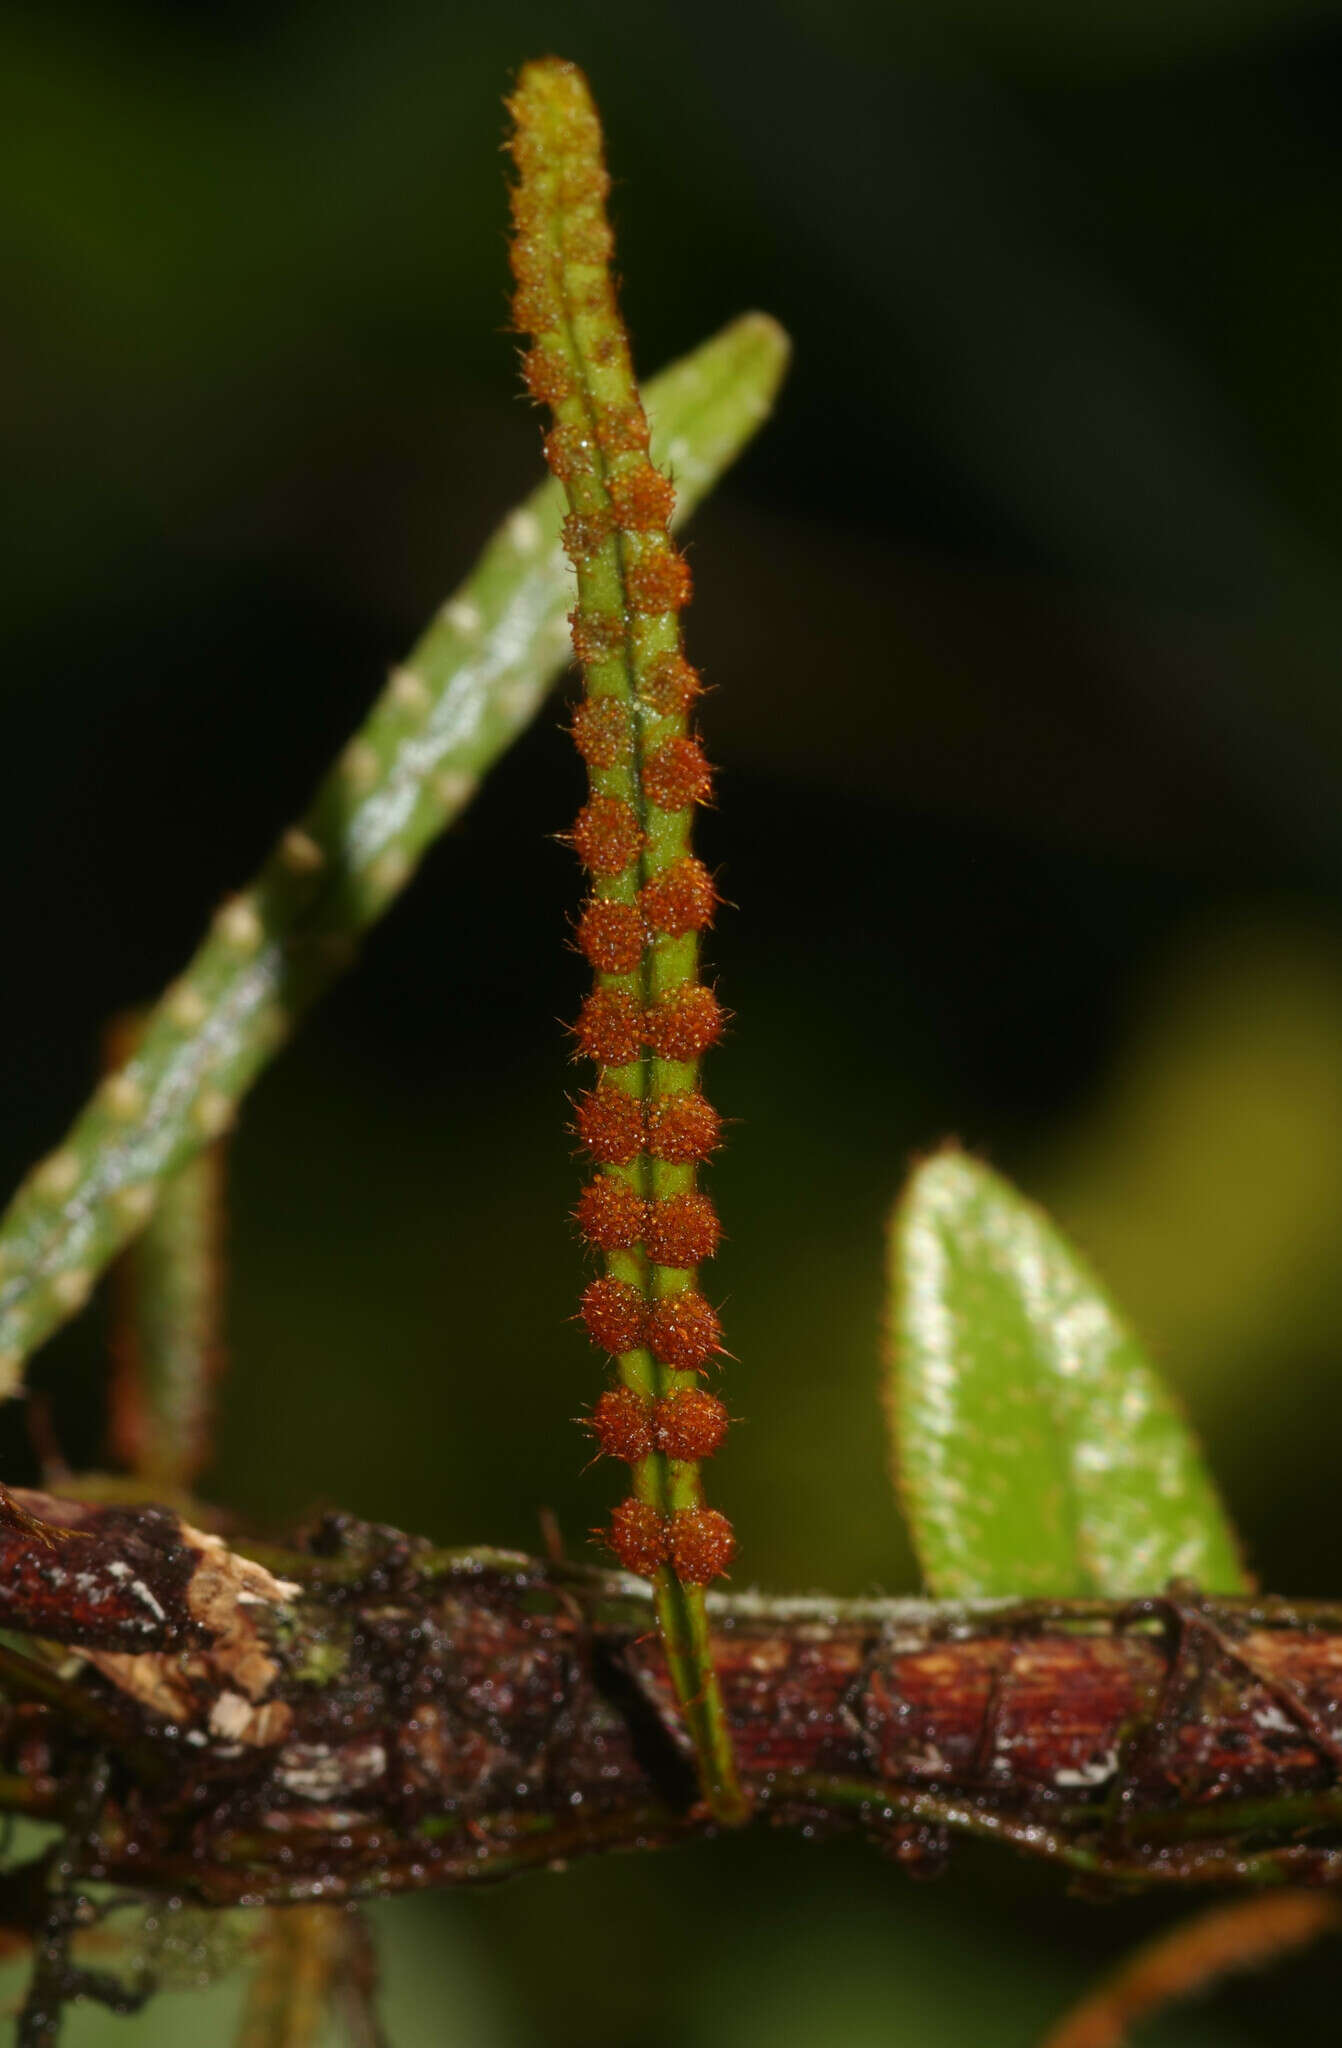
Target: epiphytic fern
x,y
645,1124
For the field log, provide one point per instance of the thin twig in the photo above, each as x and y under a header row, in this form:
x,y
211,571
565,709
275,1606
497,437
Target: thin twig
x,y
1247,1934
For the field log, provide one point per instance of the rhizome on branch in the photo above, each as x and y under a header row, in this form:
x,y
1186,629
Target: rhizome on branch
x,y
367,1714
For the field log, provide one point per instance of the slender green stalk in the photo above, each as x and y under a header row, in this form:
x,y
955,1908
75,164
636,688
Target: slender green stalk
x,y
471,683
648,1020
167,1336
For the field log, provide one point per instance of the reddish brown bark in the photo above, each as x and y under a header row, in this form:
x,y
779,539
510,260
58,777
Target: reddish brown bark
x,y
373,1715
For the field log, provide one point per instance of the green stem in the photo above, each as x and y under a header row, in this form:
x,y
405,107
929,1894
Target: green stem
x,y
1178,1866
167,1338
646,774
472,682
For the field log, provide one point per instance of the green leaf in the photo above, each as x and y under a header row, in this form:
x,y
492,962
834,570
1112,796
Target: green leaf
x,y
1035,1449
473,681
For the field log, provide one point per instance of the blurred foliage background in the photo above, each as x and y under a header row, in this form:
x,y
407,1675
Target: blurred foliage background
x,y
1023,618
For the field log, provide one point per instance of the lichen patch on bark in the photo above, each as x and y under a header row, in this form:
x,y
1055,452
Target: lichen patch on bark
x,y
199,1604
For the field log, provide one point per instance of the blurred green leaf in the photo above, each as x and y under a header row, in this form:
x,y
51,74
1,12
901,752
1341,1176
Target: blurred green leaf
x,y
1035,1449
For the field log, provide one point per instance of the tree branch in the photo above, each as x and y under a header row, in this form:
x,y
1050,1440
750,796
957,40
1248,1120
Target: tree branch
x,y
366,1714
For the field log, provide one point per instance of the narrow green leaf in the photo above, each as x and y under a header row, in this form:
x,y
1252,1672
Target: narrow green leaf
x,y
1035,1449
473,681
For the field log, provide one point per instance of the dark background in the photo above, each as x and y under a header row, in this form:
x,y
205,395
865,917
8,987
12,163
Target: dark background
x,y
1023,618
